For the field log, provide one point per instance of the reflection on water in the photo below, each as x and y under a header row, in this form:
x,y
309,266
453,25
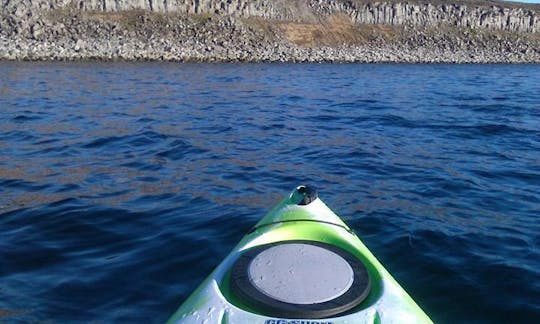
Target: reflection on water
x,y
116,179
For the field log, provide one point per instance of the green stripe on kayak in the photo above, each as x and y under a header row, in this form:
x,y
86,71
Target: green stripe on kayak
x,y
214,301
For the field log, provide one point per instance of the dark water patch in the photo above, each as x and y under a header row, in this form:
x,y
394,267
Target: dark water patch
x,y
512,175
145,120
19,136
67,187
273,127
24,118
395,121
486,130
19,184
46,141
147,138
496,129
60,151
180,149
100,142
501,156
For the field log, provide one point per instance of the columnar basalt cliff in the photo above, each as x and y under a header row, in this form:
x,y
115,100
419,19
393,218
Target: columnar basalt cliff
x,y
481,15
278,30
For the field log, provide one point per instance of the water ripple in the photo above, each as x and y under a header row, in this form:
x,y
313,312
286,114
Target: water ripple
x,y
122,185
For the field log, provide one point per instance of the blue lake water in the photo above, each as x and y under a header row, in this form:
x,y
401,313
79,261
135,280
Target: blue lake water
x,y
123,185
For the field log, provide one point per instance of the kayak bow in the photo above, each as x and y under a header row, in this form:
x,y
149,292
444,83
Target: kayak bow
x,y
300,264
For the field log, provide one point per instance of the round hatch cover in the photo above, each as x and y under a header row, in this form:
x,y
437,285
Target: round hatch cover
x,y
300,279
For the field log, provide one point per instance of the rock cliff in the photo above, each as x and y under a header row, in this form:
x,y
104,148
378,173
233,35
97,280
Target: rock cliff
x,y
474,14
489,15
399,30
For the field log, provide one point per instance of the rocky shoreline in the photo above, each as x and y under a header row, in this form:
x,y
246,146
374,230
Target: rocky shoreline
x,y
67,33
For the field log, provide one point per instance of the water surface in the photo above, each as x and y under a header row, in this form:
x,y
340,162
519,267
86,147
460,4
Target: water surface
x,y
123,185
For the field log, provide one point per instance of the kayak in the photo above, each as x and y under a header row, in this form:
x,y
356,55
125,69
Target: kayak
x,y
300,264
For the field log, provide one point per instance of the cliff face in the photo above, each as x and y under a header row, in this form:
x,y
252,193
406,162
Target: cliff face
x,y
474,15
277,9
473,31
471,14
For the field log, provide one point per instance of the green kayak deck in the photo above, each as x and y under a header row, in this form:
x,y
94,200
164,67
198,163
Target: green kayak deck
x,y
300,264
